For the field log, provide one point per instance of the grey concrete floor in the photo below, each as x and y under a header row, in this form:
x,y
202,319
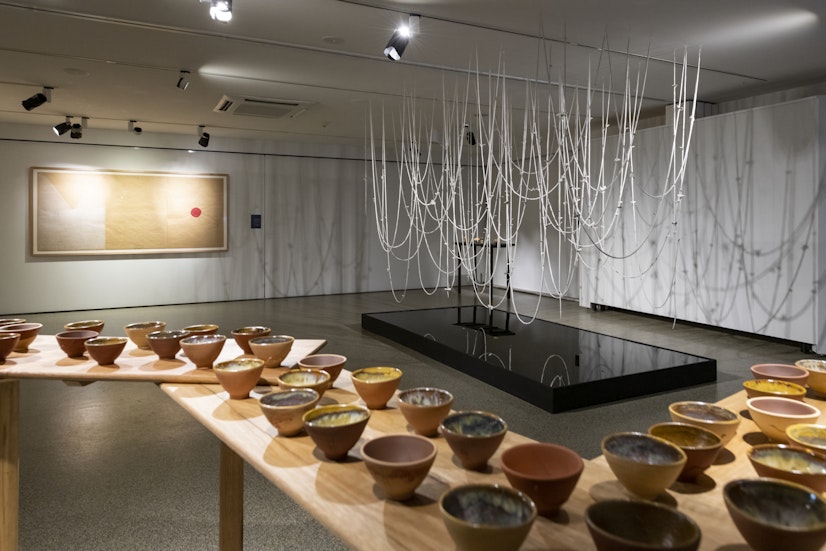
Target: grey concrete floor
x,y
114,466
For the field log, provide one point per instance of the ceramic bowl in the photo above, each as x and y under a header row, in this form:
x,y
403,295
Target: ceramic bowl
x,y
203,350
398,463
780,372
305,378
105,350
800,465
166,344
11,321
645,465
424,408
376,385
243,335
239,376
137,332
336,428
817,374
201,329
720,421
285,409
331,363
546,473
701,446
773,387
772,415
7,343
487,517
808,435
621,525
774,514
273,349
86,325
28,331
474,436
73,343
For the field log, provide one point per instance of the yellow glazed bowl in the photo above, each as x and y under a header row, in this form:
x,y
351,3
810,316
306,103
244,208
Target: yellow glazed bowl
x,y
314,379
336,428
808,435
773,387
817,374
376,385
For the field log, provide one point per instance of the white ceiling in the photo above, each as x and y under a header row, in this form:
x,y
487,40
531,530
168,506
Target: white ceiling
x,y
113,61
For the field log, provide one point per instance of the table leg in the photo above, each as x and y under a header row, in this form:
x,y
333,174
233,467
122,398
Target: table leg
x,y
9,463
232,500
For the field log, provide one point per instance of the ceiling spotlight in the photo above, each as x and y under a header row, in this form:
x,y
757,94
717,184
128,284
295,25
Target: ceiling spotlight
x,y
203,137
38,99
63,127
401,36
77,129
221,10
135,129
183,80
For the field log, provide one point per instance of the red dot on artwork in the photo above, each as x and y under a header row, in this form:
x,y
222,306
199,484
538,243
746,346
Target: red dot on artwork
x,y
196,212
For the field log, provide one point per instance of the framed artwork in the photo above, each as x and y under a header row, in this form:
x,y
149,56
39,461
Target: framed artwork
x,y
108,212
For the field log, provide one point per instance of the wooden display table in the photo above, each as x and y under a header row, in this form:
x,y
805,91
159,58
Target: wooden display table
x,y
45,360
342,495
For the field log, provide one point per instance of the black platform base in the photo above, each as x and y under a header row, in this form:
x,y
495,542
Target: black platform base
x,y
552,366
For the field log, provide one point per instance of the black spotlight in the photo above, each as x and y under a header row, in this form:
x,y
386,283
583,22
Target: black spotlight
x,y
38,99
400,39
63,127
183,80
77,131
203,136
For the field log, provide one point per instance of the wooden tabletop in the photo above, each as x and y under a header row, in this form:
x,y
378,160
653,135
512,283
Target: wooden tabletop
x,y
45,360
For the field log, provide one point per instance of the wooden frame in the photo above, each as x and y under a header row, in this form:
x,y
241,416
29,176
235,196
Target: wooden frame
x,y
107,212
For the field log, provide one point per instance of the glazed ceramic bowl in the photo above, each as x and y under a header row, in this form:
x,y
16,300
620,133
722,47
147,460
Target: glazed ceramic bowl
x,y
137,332
376,385
781,372
331,363
285,409
474,436
701,446
85,325
11,321
817,374
336,428
7,343
720,421
203,350
166,344
799,465
201,329
243,335
424,408
772,415
621,525
487,517
398,463
105,350
645,465
774,514
546,473
305,378
808,435
239,376
772,387
273,349
28,331
73,343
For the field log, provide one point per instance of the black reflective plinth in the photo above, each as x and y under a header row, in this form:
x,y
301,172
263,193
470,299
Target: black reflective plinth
x,y
552,366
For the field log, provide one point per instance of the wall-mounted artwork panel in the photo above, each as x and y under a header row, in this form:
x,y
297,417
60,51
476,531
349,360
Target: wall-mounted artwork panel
x,y
106,212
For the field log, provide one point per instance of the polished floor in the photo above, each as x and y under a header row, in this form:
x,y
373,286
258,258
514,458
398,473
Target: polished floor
x,y
115,466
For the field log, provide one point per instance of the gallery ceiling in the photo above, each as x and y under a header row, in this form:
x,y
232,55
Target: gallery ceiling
x,y
119,61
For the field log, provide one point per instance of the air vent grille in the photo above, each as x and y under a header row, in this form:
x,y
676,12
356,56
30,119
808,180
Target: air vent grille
x,y
258,107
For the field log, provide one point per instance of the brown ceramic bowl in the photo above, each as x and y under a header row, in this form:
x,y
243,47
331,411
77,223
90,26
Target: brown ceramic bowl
x,y
794,464
203,350
243,335
166,344
105,350
424,408
622,525
138,331
86,325
645,465
73,343
201,329
701,446
780,372
772,387
487,517
305,378
239,376
285,409
474,436
546,473
772,415
399,463
7,343
11,321
774,514
720,421
28,331
336,428
273,349
331,363
817,374
808,435
376,385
